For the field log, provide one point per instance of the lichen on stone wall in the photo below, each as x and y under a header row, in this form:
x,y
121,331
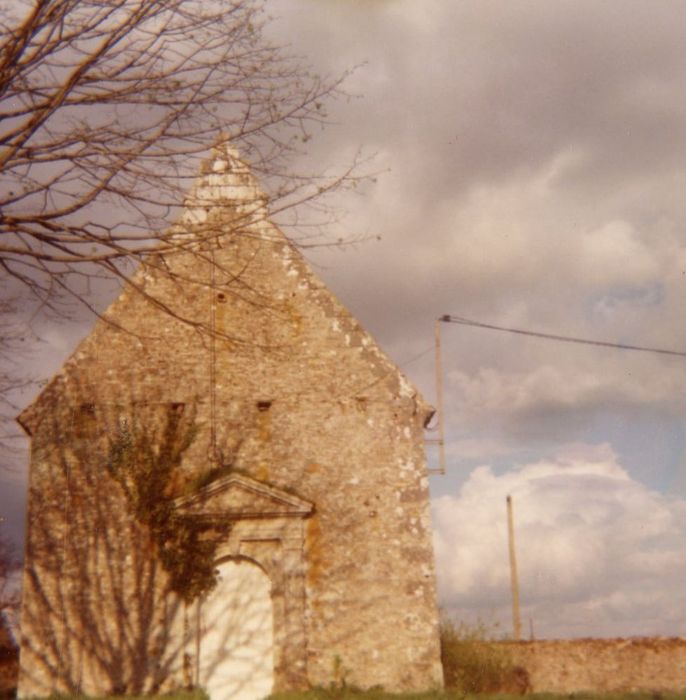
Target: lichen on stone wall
x,y
343,431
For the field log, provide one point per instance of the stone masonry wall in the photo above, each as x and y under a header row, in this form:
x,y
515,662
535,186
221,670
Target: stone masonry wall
x,y
95,617
655,664
290,391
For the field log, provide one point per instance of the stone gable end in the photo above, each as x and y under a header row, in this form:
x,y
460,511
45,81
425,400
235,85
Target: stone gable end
x,y
320,442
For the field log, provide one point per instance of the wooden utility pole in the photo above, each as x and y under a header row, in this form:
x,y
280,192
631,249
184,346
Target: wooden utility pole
x,y
514,583
439,399
440,440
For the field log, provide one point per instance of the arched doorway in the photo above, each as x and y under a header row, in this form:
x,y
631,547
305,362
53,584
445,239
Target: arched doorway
x,y
237,634
268,533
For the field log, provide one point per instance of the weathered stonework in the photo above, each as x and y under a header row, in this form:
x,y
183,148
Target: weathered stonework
x,y
648,664
327,490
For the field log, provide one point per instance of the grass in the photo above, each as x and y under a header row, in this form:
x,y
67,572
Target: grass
x,y
175,695
473,663
475,668
352,694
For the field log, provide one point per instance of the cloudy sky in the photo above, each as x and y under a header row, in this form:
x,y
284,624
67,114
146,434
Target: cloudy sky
x,y
529,160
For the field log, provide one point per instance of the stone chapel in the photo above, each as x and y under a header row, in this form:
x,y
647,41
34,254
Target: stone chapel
x,y
303,445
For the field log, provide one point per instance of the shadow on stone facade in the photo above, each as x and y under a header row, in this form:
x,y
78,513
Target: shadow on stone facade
x,y
327,491
97,613
236,640
9,661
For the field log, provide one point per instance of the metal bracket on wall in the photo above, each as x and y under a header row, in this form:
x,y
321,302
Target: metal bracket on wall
x,y
440,440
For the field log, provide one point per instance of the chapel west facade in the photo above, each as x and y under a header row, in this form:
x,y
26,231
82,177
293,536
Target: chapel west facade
x,y
301,437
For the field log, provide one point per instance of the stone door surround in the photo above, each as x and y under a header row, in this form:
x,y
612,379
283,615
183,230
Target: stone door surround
x,y
267,528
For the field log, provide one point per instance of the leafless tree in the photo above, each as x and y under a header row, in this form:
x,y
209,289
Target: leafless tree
x,y
15,337
106,108
9,566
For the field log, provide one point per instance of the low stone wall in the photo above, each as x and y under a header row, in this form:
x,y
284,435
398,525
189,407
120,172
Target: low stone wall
x,y
656,664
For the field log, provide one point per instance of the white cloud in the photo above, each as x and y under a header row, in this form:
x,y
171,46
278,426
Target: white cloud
x,y
495,393
598,552
530,175
614,254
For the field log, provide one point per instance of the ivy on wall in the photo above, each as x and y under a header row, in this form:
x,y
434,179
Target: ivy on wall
x,y
146,465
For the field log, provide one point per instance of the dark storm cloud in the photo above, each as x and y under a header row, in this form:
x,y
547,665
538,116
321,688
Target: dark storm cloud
x,y
493,87
462,96
529,160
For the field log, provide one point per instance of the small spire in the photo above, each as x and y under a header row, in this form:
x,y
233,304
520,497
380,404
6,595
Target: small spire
x,y
225,180
224,157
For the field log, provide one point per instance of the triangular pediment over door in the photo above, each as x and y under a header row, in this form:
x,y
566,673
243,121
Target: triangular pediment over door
x,y
268,528
238,497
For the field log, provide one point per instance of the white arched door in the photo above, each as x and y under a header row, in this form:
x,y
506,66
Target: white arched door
x,y
237,634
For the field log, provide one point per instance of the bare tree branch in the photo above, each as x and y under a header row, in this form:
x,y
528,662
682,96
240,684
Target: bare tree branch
x,y
10,563
15,336
108,106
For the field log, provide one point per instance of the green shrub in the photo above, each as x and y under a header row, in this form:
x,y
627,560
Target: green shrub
x,y
145,463
473,662
196,694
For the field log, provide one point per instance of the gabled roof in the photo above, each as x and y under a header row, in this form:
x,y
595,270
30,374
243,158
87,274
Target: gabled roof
x,y
237,497
226,190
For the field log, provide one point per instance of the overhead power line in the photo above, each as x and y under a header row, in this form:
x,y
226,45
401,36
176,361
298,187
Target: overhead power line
x,y
447,318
